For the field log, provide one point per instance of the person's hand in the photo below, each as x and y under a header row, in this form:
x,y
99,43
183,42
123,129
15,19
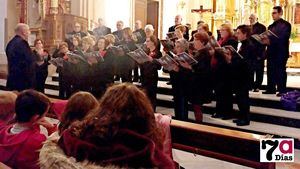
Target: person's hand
x,y
51,128
176,68
228,56
265,40
43,122
185,65
150,58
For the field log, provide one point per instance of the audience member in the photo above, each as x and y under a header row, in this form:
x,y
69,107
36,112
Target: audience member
x,y
7,106
21,141
121,132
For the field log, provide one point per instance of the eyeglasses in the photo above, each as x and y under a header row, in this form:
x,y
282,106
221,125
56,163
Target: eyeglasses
x,y
274,13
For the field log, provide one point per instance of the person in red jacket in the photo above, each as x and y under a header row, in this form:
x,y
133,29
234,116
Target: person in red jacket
x,y
20,142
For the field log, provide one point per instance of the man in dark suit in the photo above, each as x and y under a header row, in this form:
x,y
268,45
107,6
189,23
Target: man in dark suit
x,y
101,30
119,32
178,20
258,28
277,53
141,38
77,31
21,65
139,32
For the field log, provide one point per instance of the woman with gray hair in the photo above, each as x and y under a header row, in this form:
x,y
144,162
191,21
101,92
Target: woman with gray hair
x,y
149,30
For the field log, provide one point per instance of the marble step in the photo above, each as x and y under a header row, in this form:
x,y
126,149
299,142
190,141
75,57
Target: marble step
x,y
293,82
278,131
259,114
257,98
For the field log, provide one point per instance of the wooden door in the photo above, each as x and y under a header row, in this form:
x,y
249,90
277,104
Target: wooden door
x,y
153,14
141,11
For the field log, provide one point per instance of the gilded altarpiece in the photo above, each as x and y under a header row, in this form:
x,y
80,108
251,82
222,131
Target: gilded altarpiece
x,y
49,20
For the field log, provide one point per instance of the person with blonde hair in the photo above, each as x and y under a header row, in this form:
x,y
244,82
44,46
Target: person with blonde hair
x,y
121,132
111,39
227,37
7,106
178,20
179,31
87,44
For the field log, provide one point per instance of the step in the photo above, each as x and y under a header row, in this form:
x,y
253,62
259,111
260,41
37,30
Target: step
x,y
257,99
292,82
254,127
260,114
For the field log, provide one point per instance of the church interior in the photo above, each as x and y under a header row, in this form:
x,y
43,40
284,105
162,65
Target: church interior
x,y
213,144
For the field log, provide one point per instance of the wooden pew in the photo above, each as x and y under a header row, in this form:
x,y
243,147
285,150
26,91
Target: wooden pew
x,y
224,144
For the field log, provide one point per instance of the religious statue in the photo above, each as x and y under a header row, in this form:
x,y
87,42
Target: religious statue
x,y
36,13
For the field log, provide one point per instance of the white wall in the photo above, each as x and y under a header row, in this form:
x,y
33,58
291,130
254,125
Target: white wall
x,y
109,10
118,10
169,13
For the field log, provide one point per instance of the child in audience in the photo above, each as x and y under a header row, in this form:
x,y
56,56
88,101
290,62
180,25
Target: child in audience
x,y
121,132
21,141
7,106
77,108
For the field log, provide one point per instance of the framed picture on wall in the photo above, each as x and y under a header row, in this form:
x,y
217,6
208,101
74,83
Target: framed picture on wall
x,y
31,39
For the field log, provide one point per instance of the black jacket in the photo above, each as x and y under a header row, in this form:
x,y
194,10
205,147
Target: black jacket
x,y
140,35
119,36
248,51
258,28
230,41
199,85
21,65
105,71
101,31
149,70
43,68
279,47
